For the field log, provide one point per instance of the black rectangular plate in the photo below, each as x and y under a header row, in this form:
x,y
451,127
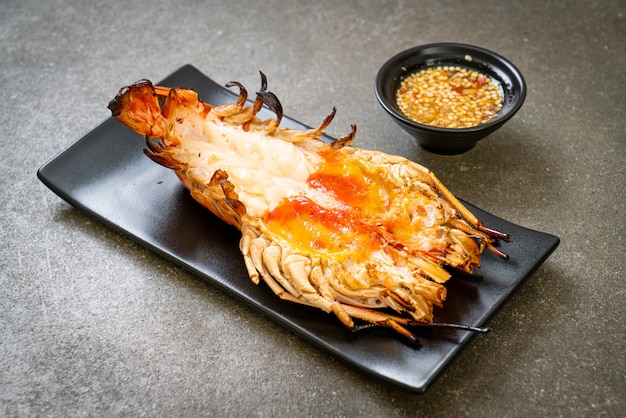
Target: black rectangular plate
x,y
106,174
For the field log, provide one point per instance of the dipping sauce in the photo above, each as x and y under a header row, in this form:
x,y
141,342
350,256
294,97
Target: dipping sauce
x,y
449,97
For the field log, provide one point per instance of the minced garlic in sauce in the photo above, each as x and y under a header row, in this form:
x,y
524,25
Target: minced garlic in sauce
x,y
449,97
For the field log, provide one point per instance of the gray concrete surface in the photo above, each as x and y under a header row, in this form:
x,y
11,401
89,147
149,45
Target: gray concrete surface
x,y
92,324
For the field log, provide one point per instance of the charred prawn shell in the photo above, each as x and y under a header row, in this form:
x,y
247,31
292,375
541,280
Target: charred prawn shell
x,y
360,234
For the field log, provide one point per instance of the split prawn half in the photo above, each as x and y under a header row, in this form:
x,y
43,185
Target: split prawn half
x,y
360,234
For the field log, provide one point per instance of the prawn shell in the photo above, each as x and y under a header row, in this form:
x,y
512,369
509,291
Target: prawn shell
x,y
360,234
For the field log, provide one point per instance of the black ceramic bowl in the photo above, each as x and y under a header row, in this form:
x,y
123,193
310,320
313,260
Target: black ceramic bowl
x,y
450,140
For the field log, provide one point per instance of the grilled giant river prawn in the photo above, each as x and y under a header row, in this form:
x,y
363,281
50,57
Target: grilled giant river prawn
x,y
358,233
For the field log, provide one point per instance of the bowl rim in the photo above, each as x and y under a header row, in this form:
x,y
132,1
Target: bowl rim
x,y
393,69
